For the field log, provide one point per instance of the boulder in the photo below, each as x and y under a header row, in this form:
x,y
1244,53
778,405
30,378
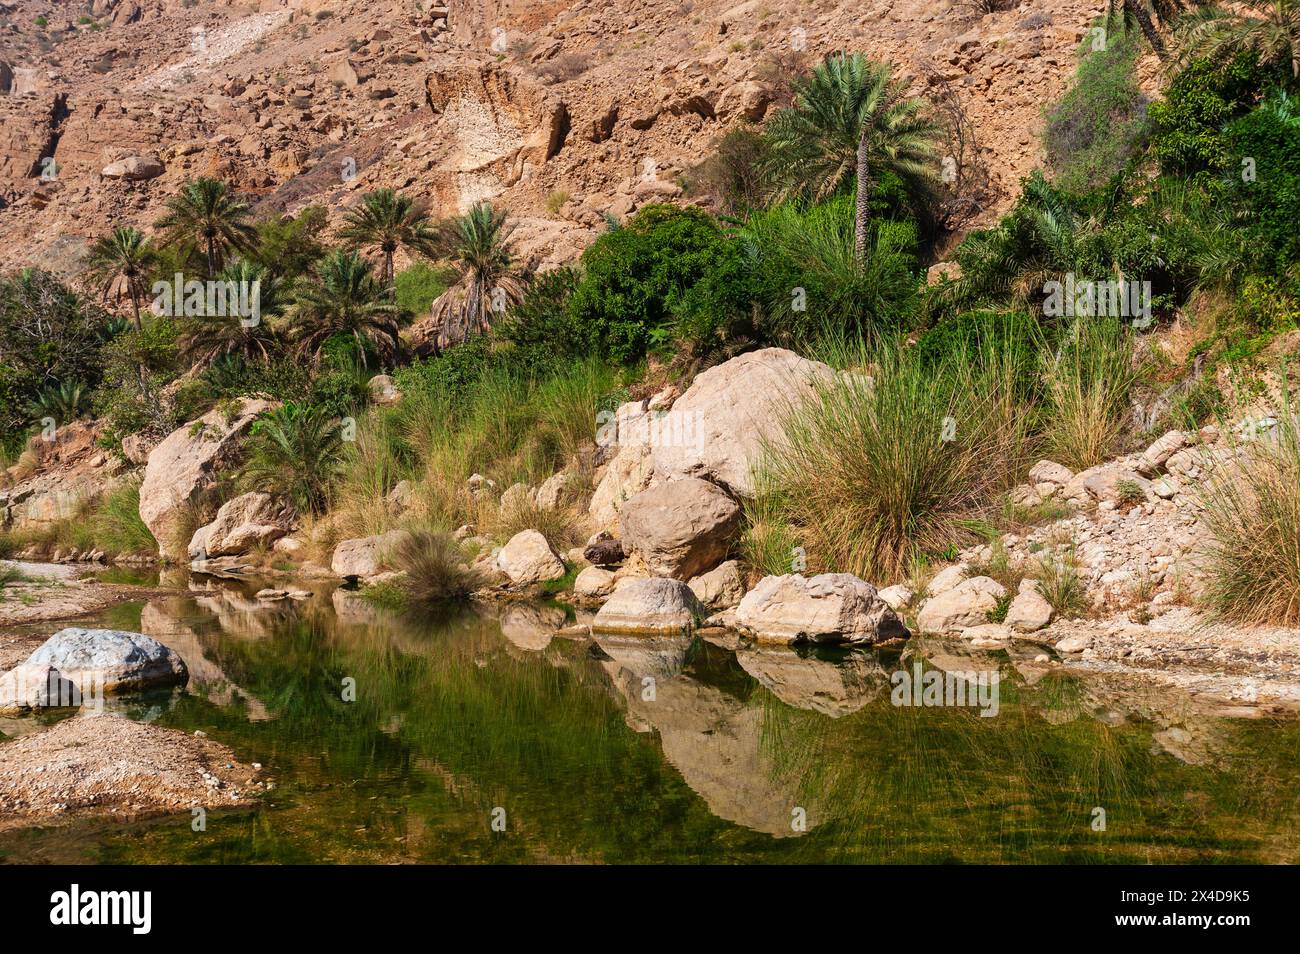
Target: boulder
x,y
185,464
551,495
899,596
604,552
627,435
720,588
965,605
1155,456
1046,471
649,606
134,169
36,686
680,528
947,579
110,660
1029,611
528,558
717,429
248,521
826,609
593,583
365,557
383,389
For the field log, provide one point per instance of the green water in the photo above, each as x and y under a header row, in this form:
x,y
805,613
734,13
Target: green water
x,y
638,750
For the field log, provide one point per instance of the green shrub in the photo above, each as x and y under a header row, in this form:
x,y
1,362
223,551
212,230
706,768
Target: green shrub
x,y
733,172
295,451
418,286
544,319
1018,332
1101,122
1269,136
1187,125
633,277
434,566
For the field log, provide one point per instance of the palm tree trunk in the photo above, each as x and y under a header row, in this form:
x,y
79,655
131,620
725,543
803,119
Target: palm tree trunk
x,y
1139,13
388,269
135,308
862,210
212,257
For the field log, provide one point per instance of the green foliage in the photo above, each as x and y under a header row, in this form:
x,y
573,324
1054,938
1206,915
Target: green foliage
x,y
635,276
344,299
1018,334
49,336
295,451
1187,125
734,171
138,365
1270,137
544,319
290,246
64,402
418,287
435,568
1098,125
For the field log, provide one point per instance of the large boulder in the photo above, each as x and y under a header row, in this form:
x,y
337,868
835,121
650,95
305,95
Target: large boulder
x,y
718,427
649,606
110,660
632,467
1029,611
593,583
528,558
827,609
187,462
248,521
365,557
965,605
680,528
134,168
36,686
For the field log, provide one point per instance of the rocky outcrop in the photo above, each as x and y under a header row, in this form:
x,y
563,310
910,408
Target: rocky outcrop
x,y
650,606
364,558
830,609
680,528
248,521
528,558
187,462
716,430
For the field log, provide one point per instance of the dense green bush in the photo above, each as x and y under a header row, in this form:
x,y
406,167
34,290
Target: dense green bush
x,y
635,276
1098,125
418,286
545,319
1187,136
1270,136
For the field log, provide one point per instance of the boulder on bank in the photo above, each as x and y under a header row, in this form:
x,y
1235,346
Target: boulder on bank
x,y
185,464
110,659
720,588
593,583
965,605
1029,611
365,557
528,558
827,609
649,606
242,524
680,528
717,428
36,686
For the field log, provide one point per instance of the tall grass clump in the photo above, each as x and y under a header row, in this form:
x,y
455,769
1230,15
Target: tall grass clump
x,y
892,463
435,567
1088,379
1252,512
115,522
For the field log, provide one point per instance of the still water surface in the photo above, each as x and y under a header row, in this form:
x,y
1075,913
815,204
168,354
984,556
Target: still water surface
x,y
671,750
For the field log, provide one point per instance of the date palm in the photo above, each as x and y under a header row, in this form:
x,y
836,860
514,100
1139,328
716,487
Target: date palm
x,y
1268,28
851,120
207,339
343,299
208,214
478,243
120,263
387,220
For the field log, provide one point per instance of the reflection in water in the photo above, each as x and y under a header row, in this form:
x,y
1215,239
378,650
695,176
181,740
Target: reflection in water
x,y
636,749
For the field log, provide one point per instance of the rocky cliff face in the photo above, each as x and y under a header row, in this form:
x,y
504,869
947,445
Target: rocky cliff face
x,y
562,110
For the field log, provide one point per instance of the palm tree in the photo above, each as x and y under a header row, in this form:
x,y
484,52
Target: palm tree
x,y
295,450
343,298
850,118
208,214
209,338
123,261
387,220
1269,28
478,242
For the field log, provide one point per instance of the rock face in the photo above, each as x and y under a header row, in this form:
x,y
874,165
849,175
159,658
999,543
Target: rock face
x,y
529,559
185,464
249,520
720,588
719,425
680,528
110,659
827,609
366,557
649,606
965,605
